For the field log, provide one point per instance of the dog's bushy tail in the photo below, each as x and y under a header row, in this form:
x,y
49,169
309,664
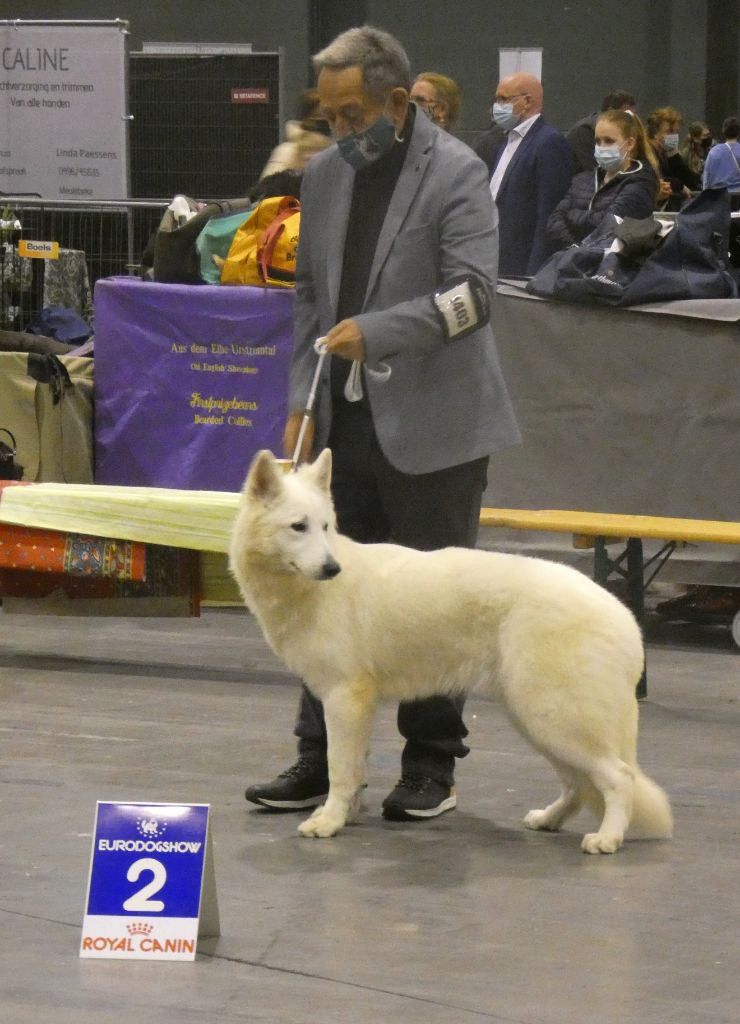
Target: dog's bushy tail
x,y
651,811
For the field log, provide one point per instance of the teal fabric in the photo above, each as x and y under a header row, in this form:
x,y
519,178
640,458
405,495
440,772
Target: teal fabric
x,y
215,239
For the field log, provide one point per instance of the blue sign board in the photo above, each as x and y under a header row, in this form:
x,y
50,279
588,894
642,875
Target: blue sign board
x,y
146,881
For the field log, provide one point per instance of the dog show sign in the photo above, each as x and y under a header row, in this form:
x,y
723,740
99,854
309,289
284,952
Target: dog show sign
x,y
152,886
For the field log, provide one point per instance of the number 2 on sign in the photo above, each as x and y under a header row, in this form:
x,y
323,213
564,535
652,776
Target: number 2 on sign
x,y
140,902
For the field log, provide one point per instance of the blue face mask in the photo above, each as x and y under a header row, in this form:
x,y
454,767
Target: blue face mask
x,y
503,116
609,158
363,148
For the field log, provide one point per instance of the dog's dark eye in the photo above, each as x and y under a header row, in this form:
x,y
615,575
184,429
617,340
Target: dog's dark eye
x,y
299,527
326,527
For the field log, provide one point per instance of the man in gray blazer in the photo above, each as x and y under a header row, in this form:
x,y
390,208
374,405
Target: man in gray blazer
x,y
396,269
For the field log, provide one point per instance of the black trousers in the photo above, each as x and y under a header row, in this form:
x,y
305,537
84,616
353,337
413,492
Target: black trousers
x,y
376,503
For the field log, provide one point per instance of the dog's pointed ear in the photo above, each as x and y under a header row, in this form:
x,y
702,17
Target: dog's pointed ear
x,y
264,480
321,470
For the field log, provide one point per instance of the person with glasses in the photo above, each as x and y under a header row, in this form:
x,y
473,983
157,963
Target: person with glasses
x,y
439,97
398,233
530,166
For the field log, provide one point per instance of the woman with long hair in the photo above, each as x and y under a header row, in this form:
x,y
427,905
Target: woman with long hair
x,y
696,145
624,183
678,181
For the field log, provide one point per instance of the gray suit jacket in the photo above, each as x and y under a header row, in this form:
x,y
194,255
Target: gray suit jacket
x,y
445,403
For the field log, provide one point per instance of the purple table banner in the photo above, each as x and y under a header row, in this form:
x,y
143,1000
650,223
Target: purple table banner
x,y
190,381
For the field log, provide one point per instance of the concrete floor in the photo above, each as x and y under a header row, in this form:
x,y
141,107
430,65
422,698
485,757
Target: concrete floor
x,y
465,918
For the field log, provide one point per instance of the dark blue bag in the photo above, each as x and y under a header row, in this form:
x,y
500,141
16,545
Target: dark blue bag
x,y
691,262
60,323
585,273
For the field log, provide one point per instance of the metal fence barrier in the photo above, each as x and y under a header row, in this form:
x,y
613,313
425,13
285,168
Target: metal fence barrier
x,y
96,239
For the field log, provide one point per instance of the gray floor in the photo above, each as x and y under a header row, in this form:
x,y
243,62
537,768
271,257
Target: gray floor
x,y
465,918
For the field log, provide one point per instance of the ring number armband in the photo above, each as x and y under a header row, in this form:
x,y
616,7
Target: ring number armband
x,y
462,306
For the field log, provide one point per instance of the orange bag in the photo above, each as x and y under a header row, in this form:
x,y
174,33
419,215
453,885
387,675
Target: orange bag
x,y
263,251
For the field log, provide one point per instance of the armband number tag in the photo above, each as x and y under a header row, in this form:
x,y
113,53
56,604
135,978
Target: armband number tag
x,y
463,307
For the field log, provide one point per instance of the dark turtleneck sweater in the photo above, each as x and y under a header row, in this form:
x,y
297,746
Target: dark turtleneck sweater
x,y
371,196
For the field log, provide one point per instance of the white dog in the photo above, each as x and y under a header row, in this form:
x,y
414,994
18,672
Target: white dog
x,y
359,622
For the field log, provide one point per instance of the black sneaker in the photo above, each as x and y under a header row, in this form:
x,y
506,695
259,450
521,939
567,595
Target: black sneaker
x,y
418,796
304,784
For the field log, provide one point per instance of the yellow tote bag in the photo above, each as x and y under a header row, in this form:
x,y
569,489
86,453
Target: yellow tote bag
x,y
264,248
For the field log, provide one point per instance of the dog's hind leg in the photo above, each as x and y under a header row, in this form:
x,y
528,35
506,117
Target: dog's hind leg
x,y
585,762
552,818
615,781
348,710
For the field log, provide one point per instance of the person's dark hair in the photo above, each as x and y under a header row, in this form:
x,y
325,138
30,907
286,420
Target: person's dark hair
x,y
308,112
697,129
281,183
379,56
730,128
617,99
308,105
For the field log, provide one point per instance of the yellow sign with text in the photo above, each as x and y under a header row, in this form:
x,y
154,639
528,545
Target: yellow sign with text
x,y
38,250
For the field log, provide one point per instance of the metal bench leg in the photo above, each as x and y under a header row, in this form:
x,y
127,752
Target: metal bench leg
x,y
604,566
636,596
602,562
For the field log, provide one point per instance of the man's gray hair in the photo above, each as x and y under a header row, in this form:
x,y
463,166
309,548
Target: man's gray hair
x,y
379,56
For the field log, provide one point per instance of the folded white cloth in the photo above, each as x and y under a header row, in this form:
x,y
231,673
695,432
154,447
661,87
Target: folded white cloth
x,y
200,520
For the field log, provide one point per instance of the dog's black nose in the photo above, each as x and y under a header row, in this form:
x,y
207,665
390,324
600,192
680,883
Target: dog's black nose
x,y
330,569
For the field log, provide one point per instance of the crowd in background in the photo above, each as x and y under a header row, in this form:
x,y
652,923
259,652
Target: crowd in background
x,y
562,184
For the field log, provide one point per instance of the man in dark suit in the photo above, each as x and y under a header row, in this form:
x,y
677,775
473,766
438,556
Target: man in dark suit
x,y
530,165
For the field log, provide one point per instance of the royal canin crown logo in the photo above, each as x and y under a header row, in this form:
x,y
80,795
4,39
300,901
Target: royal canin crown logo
x,y
139,928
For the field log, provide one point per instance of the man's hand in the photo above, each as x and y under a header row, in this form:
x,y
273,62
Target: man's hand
x,y
290,437
346,340
664,190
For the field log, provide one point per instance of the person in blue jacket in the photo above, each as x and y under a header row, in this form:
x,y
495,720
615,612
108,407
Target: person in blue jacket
x,y
625,181
722,166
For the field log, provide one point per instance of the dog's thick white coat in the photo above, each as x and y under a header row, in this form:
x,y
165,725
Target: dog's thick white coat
x,y
365,622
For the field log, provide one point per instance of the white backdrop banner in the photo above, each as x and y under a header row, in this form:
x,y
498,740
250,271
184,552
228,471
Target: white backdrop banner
x,y
63,128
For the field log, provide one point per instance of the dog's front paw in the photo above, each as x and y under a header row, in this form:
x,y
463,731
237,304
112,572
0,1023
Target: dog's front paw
x,y
600,842
321,824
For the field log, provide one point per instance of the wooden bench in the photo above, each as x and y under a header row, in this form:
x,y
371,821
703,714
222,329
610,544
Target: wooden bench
x,y
202,521
599,529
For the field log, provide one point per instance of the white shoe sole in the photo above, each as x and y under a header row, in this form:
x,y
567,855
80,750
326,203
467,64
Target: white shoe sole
x,y
291,805
447,805
397,814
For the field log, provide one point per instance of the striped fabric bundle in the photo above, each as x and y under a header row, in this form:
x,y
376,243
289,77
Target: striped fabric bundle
x,y
199,520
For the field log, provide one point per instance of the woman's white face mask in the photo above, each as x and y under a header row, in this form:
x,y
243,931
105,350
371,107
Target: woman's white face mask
x,y
609,158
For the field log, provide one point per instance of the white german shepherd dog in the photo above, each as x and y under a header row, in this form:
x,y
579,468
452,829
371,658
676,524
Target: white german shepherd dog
x,y
361,622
